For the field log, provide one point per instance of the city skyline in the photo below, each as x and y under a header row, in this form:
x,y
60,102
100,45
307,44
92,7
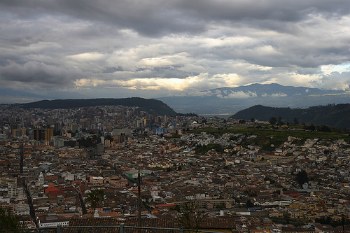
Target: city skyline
x,y
90,49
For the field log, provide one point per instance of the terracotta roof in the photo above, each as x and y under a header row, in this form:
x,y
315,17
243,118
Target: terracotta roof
x,y
112,225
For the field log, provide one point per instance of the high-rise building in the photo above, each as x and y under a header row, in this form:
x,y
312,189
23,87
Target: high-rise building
x,y
43,135
48,135
18,132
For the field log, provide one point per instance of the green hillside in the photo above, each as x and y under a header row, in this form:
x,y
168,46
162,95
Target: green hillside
x,y
336,116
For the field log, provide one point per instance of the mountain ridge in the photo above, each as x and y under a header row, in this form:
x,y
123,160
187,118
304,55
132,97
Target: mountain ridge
x,y
263,90
229,100
148,105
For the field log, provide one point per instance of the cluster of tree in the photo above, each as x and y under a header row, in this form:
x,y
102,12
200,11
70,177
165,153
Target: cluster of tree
x,y
89,141
95,198
249,204
329,221
301,178
322,128
205,148
190,216
9,222
276,121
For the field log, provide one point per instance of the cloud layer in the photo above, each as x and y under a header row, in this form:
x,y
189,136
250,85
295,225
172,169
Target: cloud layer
x,y
107,48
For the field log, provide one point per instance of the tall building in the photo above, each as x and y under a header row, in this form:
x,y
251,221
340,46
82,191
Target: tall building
x,y
43,135
39,134
48,135
18,132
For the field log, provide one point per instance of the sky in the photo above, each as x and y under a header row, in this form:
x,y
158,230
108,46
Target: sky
x,y
154,48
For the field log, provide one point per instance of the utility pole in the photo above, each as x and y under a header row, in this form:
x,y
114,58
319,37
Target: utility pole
x,y
139,200
25,187
21,159
81,200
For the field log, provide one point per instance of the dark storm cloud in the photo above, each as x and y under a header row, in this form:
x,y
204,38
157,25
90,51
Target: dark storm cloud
x,y
162,16
196,44
264,10
39,74
147,17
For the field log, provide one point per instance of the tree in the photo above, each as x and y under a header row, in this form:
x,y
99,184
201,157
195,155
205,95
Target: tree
x,y
323,128
273,120
190,216
279,121
109,137
296,121
302,178
9,223
310,127
241,121
249,204
95,198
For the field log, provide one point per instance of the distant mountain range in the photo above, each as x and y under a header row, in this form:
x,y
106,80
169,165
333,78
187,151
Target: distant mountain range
x,y
268,90
229,100
336,116
147,105
220,101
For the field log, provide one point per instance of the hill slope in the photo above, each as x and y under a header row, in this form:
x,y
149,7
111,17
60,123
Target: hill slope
x,y
147,105
331,115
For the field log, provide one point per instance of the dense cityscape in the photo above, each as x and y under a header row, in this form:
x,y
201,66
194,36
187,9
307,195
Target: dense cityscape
x,y
181,116
118,164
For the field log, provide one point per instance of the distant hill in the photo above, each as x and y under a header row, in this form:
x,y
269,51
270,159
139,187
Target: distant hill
x,y
147,105
336,116
268,90
229,100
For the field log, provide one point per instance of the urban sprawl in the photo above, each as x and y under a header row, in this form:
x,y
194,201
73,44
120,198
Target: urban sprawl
x,y
53,161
